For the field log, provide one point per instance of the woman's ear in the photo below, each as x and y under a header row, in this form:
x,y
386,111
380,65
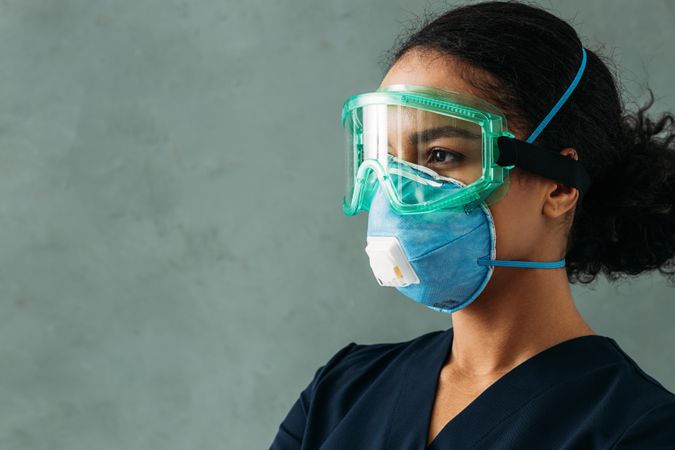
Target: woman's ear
x,y
559,197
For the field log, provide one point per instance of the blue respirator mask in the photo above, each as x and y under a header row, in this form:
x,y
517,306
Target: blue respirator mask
x,y
426,164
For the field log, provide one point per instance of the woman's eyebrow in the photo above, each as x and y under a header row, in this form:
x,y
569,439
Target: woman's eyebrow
x,y
431,134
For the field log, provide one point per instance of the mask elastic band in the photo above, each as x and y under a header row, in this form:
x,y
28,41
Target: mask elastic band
x,y
485,261
562,100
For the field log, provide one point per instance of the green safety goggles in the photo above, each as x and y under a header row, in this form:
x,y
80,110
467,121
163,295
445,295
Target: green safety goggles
x,y
411,141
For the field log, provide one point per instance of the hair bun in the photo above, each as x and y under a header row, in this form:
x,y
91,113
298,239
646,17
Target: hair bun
x,y
627,219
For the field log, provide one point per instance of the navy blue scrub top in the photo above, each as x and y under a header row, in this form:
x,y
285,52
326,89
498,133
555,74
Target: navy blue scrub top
x,y
583,393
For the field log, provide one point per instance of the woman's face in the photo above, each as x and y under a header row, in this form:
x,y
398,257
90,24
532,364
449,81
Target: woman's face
x,y
523,230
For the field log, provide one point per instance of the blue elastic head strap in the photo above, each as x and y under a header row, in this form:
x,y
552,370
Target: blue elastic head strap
x,y
562,99
485,261
550,164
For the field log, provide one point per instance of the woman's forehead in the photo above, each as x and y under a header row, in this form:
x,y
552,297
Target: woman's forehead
x,y
428,68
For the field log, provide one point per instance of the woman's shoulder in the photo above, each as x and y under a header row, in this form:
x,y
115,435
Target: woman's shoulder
x,y
651,405
355,359
640,379
357,372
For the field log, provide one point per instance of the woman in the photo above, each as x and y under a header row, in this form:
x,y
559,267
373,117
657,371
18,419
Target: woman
x,y
497,165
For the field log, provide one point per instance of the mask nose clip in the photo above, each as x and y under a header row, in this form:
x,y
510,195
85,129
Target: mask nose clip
x,y
389,263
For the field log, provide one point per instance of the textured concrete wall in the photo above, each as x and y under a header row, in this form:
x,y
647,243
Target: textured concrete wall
x,y
175,264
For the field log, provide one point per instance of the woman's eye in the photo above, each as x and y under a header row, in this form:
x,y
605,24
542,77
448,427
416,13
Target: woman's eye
x,y
438,155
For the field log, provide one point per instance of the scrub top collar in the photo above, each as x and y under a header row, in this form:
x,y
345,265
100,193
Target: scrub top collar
x,y
554,365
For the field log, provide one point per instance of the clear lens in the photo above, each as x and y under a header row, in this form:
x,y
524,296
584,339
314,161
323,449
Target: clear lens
x,y
444,145
417,150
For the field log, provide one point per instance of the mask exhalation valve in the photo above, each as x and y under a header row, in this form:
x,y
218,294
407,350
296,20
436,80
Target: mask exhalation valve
x,y
388,262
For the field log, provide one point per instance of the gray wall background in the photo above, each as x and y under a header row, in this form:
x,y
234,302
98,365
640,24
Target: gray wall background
x,y
175,264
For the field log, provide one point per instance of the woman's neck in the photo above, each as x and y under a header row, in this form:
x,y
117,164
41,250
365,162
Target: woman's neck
x,y
520,313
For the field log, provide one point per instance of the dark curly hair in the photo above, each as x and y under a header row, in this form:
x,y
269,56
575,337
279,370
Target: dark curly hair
x,y
625,224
